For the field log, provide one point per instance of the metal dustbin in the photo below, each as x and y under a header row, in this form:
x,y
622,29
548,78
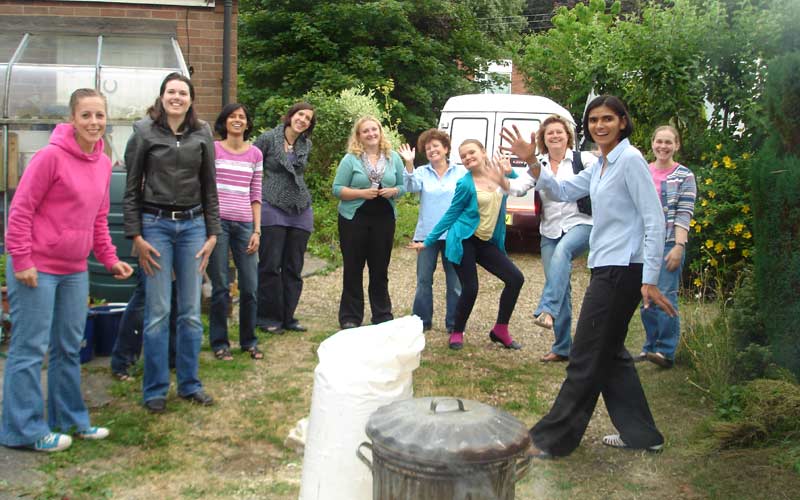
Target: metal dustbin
x,y
445,449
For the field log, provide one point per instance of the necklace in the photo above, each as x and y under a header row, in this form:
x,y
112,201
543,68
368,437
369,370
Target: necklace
x,y
289,145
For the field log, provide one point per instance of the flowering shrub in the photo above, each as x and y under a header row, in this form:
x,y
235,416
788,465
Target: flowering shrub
x,y
722,227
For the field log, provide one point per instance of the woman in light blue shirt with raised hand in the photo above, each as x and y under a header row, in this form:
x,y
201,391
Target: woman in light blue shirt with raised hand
x,y
436,183
625,250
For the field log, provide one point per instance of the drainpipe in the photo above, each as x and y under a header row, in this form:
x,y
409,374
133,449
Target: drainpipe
x,y
226,51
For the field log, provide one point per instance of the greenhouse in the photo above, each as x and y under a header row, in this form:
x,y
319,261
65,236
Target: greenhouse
x,y
38,72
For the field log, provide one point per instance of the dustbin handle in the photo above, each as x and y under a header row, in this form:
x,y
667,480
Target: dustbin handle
x,y
522,468
435,403
361,455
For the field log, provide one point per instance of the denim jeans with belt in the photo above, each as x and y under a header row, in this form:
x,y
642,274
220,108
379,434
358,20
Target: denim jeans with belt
x,y
662,331
177,241
52,314
557,256
235,236
423,299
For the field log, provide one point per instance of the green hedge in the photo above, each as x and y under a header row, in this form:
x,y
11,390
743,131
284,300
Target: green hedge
x,y
776,207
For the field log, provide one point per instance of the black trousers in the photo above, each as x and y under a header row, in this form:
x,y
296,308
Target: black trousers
x,y
600,364
491,258
366,239
281,255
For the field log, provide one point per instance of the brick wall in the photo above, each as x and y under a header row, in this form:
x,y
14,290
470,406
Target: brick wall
x,y
199,31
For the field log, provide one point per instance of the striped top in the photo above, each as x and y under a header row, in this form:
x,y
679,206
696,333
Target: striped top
x,y
677,192
238,182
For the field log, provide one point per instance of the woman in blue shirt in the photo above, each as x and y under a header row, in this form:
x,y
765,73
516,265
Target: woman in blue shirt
x,y
476,233
436,184
625,250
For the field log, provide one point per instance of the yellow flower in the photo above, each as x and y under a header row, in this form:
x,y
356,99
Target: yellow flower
x,y
726,160
698,282
747,235
704,202
745,209
719,147
703,157
738,228
709,181
745,156
692,223
714,164
719,247
731,244
705,223
709,243
713,262
712,194
697,228
745,253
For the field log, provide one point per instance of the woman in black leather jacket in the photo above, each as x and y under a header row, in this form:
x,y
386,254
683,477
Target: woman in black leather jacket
x,y
172,214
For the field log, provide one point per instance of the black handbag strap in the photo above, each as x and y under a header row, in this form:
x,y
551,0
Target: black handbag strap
x,y
584,204
577,163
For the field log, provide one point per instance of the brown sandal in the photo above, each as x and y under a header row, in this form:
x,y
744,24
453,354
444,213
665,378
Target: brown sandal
x,y
223,354
255,352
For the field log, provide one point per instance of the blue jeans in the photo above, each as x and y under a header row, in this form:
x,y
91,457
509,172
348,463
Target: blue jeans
x,y
128,346
178,241
557,257
52,314
662,332
423,299
235,236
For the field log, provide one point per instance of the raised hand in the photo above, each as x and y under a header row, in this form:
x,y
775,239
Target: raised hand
x,y
504,162
524,150
407,154
496,170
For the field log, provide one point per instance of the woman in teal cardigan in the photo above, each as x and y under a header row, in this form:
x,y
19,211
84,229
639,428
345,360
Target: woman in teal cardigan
x,y
367,182
476,233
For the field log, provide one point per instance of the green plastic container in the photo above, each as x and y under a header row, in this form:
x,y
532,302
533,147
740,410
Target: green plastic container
x,y
102,284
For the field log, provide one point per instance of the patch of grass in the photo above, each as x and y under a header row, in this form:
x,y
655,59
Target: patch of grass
x,y
286,396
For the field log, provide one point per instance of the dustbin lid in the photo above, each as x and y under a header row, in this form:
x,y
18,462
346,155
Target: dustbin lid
x,y
441,430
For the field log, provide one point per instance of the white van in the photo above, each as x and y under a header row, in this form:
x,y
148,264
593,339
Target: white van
x,y
482,117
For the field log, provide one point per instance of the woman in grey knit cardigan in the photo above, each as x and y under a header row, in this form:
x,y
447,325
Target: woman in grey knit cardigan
x,y
287,218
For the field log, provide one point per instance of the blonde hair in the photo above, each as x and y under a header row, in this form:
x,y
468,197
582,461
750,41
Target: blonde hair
x,y
670,129
549,121
355,147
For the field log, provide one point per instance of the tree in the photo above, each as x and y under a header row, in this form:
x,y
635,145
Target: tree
x,y
417,52
664,59
652,61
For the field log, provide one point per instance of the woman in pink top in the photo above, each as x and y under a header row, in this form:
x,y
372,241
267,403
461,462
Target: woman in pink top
x,y
59,213
238,167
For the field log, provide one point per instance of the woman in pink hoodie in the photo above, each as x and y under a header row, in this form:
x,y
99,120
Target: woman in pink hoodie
x,y
58,214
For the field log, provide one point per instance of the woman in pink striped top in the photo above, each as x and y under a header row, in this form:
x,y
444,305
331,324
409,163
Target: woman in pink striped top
x,y
239,170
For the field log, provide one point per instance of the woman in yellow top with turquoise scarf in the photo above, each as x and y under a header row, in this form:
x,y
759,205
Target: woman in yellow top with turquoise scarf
x,y
476,234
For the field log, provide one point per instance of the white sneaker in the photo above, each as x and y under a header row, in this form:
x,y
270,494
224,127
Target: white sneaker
x,y
615,441
93,433
52,442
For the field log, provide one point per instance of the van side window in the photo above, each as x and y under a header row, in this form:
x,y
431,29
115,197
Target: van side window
x,y
462,129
